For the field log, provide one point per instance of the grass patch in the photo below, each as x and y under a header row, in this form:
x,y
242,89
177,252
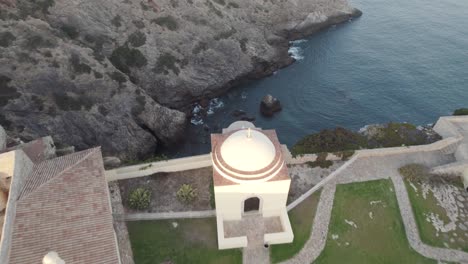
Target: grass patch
x,y
381,239
413,177
301,218
192,241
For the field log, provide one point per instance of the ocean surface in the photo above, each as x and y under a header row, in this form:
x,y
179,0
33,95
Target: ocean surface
x,y
402,61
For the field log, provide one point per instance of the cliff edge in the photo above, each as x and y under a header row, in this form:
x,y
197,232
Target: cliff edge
x,y
116,73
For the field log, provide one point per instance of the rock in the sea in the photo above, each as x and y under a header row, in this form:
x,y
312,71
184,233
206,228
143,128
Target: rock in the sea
x,y
247,118
111,162
269,105
238,113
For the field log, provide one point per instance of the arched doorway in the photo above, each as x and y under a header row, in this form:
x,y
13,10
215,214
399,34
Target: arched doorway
x,y
252,205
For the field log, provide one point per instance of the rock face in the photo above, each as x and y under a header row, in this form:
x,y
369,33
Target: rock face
x,y
3,138
269,105
113,73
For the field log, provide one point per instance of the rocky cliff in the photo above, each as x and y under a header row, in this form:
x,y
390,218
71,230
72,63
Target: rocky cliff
x,y
117,73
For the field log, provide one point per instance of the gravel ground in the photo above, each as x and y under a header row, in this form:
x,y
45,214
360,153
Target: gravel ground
x,y
164,187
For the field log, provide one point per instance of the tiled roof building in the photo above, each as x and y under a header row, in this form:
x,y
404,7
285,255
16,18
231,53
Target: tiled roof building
x,y
62,205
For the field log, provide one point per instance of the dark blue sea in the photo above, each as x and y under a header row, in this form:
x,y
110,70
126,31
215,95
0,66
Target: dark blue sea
x,y
402,61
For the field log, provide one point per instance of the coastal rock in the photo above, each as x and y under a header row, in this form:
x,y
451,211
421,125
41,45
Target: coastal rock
x,y
119,74
269,105
111,162
3,138
65,151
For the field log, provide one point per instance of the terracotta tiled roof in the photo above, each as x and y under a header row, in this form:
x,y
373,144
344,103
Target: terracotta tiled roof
x,y
48,169
64,207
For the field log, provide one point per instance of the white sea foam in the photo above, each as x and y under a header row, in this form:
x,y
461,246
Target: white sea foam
x,y
197,120
296,53
299,41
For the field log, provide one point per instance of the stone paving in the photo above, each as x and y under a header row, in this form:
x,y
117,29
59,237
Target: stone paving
x,y
255,228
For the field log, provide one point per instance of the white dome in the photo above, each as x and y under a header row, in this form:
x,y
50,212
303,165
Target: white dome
x,y
245,153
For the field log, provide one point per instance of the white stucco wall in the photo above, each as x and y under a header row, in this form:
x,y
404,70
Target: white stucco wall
x,y
18,166
230,199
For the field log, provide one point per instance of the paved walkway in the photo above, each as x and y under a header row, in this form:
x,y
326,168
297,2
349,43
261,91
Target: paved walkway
x,y
255,252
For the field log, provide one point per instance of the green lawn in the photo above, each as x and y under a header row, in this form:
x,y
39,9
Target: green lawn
x,y
301,219
421,207
376,240
192,241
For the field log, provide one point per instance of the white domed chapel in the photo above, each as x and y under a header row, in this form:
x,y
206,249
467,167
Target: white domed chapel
x,y
251,181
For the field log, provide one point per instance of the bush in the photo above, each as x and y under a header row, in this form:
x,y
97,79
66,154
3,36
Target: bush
x,y
137,39
461,111
139,198
6,38
72,103
397,134
71,31
78,66
419,173
7,92
168,22
186,193
327,140
165,63
321,161
124,57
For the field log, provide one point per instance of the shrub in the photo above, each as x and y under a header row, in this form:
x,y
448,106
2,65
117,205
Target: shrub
x,y
77,66
165,63
137,39
397,134
321,161
139,198
201,46
243,44
168,22
139,24
221,2
71,31
7,92
461,111
156,158
225,34
124,57
327,140
186,193
117,21
233,5
34,42
118,77
32,7
419,173
6,38
72,103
